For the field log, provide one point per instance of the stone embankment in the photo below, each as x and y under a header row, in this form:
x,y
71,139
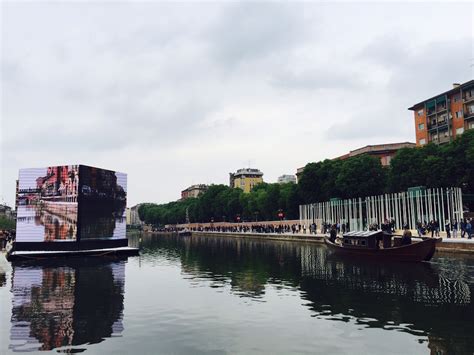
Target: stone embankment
x,y
457,245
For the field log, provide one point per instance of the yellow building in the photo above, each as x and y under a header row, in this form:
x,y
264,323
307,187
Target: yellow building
x,y
245,179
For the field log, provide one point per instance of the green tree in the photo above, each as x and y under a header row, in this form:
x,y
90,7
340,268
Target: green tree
x,y
361,176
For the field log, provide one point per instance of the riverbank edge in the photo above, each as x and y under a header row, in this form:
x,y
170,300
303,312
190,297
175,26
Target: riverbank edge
x,y
451,246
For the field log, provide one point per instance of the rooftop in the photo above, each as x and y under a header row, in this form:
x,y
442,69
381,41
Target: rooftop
x,y
196,187
248,171
377,148
451,91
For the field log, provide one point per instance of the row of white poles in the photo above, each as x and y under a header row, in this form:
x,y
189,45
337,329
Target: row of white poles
x,y
443,205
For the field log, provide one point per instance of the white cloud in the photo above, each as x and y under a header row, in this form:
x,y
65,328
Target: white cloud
x,y
175,94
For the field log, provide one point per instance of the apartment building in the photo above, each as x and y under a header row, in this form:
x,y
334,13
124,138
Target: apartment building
x,y
193,191
443,117
245,179
285,179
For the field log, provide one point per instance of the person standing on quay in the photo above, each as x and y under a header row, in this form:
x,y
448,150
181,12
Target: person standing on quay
x,y
463,228
469,229
448,229
455,229
432,228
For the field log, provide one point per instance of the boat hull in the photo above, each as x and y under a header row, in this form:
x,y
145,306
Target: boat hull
x,y
184,233
415,252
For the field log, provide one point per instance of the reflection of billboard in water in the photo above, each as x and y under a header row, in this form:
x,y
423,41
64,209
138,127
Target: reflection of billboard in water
x,y
53,307
70,203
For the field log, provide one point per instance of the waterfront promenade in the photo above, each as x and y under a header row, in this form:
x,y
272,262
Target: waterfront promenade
x,y
459,245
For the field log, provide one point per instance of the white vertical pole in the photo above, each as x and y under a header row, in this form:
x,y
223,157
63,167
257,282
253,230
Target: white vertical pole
x,y
460,203
439,207
442,223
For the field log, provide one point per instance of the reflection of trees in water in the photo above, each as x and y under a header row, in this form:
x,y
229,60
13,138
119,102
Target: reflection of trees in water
x,y
225,258
416,298
419,281
67,305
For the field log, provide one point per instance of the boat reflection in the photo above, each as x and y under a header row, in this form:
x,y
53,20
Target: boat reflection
x,y
66,305
419,298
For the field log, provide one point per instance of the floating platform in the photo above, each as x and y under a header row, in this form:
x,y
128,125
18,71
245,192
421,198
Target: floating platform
x,y
47,254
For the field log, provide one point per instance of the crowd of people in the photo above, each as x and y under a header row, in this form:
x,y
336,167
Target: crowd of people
x,y
324,228
463,229
6,235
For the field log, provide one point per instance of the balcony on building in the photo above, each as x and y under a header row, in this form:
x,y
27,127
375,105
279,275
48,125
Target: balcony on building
x,y
468,95
430,111
441,107
469,111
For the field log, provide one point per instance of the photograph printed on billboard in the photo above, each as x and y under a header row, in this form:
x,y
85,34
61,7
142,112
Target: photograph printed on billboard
x,y
102,203
47,201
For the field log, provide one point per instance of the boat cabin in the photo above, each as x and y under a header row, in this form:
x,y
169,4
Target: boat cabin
x,y
362,239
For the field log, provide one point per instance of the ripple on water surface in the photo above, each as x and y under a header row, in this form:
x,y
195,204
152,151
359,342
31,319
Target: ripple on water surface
x,y
223,295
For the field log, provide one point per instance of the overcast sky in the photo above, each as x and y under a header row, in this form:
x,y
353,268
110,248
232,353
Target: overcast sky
x,y
176,94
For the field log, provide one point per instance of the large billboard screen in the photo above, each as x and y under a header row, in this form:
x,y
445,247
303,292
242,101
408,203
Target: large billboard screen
x,y
47,204
102,203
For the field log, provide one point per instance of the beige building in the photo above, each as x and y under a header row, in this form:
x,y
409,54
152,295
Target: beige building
x,y
385,152
285,179
245,179
132,217
193,191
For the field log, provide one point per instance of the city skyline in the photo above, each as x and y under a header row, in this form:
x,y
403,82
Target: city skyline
x,y
175,94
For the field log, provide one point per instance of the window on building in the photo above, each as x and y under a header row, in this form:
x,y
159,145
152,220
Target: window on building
x,y
456,97
460,130
458,114
471,125
422,141
421,126
420,112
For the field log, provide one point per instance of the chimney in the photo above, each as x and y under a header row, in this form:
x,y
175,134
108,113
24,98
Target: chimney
x,y
456,85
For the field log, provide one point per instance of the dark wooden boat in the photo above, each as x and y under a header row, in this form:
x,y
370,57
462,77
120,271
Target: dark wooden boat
x,y
366,245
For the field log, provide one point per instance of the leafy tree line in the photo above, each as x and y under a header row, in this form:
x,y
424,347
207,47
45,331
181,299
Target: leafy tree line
x,y
431,166
223,203
6,223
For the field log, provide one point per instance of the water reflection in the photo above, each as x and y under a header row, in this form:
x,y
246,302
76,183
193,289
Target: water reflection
x,y
61,306
430,300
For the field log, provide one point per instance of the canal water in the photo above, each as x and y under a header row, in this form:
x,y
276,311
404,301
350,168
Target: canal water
x,y
215,295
